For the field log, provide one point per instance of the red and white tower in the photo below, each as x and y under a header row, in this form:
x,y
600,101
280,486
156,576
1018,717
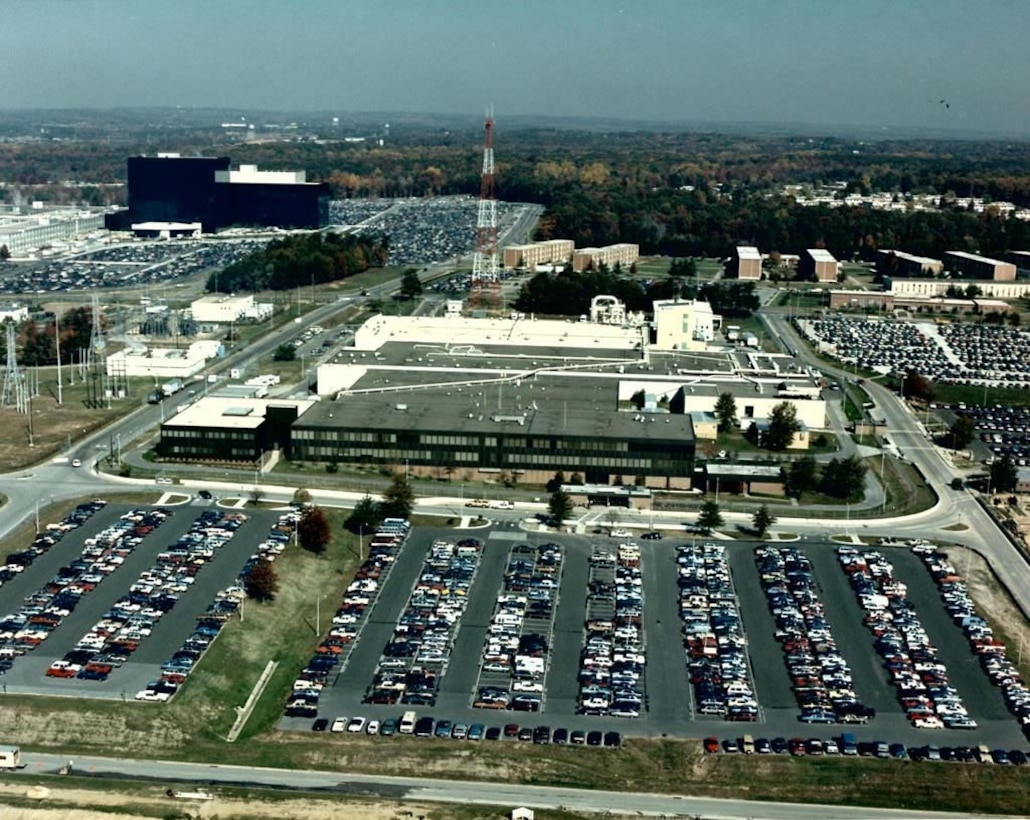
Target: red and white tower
x,y
486,283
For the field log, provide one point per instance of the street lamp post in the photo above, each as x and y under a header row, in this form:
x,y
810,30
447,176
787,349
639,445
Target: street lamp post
x,y
883,487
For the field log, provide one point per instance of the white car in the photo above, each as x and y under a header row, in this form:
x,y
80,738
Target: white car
x,y
76,462
619,533
356,725
339,725
372,728
151,696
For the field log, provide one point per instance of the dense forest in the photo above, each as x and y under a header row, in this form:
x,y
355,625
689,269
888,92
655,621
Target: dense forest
x,y
672,192
301,260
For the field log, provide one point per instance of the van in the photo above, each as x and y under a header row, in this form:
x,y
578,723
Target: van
x,y
407,724
747,745
848,744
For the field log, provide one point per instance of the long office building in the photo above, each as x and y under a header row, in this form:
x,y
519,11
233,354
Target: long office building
x,y
538,253
974,266
623,254
898,263
169,188
46,227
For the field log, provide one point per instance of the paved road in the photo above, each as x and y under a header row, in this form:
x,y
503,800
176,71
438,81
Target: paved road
x,y
458,791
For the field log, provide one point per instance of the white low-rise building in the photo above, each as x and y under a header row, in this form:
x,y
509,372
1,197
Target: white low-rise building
x,y
684,324
220,309
162,362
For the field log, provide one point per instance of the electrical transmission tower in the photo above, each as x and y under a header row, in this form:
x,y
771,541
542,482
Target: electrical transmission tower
x,y
15,393
97,359
486,283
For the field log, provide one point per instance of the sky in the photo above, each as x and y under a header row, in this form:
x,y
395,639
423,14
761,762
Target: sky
x,y
875,63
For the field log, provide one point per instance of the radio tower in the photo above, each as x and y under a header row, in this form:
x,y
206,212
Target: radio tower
x,y
486,284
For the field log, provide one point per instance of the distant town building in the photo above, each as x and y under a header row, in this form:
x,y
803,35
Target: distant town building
x,y
818,264
623,254
684,324
166,230
973,266
538,253
745,263
898,263
171,188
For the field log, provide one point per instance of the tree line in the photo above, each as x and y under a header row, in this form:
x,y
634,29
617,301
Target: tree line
x,y
570,293
301,260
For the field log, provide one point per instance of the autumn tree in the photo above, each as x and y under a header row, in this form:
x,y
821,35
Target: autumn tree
x,y
262,582
313,530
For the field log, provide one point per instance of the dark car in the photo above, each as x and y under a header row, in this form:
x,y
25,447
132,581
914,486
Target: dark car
x,y
493,733
320,725
542,735
561,736
595,738
205,494
652,536
424,727
578,737
613,740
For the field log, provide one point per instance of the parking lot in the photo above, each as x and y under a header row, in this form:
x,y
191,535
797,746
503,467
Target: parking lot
x,y
128,599
957,353
847,657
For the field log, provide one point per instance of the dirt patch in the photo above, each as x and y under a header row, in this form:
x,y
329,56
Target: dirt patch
x,y
993,600
18,802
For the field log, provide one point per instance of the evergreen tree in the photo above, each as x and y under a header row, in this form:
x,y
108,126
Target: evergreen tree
x,y
783,424
761,520
560,506
709,518
726,412
398,499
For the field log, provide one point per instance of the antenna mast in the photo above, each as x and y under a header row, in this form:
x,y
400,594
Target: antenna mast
x,y
485,280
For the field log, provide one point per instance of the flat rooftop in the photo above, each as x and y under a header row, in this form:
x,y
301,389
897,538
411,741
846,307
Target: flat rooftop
x,y
820,255
748,252
547,405
975,257
232,412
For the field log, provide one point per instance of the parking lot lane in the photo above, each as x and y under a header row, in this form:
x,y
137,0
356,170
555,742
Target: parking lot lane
x,y
772,682
670,701
92,607
854,640
562,683
176,625
60,554
463,670
349,686
983,700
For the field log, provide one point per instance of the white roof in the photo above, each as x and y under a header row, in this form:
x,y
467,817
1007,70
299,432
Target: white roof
x,y
233,412
820,255
975,257
748,252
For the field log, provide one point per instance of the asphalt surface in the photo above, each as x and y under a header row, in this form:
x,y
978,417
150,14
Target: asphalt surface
x,y
457,791
670,709
28,674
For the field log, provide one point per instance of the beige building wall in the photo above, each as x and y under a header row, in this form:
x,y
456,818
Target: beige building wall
x,y
624,254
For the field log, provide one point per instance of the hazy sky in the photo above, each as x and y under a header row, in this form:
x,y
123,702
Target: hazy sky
x,y
869,62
